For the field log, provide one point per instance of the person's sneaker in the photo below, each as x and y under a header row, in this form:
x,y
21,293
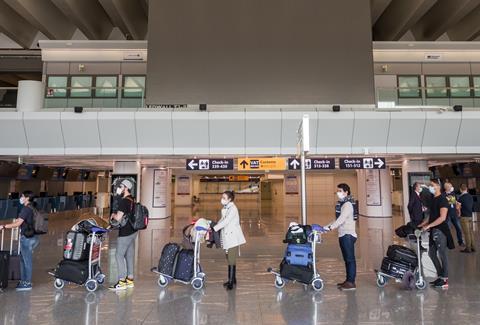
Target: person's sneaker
x,y
465,251
129,283
442,284
348,286
23,286
341,284
120,285
434,283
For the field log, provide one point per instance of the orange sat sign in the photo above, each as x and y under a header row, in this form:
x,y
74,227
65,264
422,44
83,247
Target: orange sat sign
x,y
261,164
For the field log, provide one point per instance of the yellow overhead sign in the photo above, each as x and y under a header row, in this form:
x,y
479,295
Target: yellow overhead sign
x,y
261,164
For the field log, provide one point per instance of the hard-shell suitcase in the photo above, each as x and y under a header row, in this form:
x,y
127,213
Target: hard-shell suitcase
x,y
298,273
10,259
402,254
395,268
298,254
76,247
4,264
184,265
166,263
72,271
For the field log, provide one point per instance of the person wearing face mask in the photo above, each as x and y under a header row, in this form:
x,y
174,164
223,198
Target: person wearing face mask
x,y
452,216
440,236
231,235
28,240
125,254
347,235
415,205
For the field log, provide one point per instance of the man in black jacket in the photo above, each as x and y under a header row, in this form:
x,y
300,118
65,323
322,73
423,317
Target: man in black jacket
x,y
415,205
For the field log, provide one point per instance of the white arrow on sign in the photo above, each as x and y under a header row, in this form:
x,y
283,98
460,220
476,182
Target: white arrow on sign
x,y
379,163
294,163
192,164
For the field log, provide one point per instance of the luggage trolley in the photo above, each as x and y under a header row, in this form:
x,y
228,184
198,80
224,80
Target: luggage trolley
x,y
316,282
198,279
95,275
419,280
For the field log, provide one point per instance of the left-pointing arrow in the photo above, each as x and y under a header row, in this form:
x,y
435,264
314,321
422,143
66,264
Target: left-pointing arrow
x,y
192,164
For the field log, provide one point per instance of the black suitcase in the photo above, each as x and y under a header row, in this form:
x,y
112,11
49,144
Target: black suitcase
x,y
14,267
184,265
72,271
395,268
303,274
76,247
402,254
4,265
166,263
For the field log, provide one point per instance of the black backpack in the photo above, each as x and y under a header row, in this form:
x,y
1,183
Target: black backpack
x,y
139,217
297,234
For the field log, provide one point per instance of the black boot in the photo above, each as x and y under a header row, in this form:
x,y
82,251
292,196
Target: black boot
x,y
234,270
231,278
229,275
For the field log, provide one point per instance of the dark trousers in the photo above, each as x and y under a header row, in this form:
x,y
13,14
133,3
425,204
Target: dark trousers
x,y
453,219
347,245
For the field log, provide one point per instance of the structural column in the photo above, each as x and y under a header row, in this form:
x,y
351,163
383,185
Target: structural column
x,y
409,167
30,96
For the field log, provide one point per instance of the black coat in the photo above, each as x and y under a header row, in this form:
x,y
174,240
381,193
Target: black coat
x,y
415,208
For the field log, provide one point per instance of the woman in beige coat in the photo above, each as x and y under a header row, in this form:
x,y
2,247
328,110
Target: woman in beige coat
x,y
231,235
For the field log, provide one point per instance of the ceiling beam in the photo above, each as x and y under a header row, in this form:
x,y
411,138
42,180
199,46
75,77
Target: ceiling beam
x,y
127,15
88,16
45,17
468,29
443,15
399,17
16,27
377,7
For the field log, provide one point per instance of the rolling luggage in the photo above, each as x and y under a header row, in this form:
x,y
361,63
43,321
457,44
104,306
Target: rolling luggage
x,y
10,260
184,265
166,263
72,271
299,254
402,254
298,273
4,264
395,268
76,247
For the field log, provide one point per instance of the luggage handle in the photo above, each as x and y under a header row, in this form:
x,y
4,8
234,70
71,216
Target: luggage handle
x,y
14,231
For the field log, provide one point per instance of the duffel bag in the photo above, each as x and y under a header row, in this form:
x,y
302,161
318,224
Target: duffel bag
x,y
303,274
72,271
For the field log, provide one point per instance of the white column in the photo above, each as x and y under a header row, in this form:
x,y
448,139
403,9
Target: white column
x,y
155,187
30,96
410,166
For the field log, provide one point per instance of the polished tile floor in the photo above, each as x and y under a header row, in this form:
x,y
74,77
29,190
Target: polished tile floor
x,y
255,301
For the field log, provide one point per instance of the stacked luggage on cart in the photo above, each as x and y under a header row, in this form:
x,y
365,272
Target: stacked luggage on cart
x,y
399,261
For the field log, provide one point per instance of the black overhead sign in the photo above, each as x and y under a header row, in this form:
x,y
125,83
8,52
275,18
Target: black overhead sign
x,y
209,164
362,163
312,163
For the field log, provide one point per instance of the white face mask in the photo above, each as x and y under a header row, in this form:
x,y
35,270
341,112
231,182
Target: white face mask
x,y
431,189
341,195
224,201
452,189
22,200
119,191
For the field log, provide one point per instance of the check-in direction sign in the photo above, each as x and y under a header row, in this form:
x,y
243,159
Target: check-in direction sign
x,y
209,164
362,163
312,163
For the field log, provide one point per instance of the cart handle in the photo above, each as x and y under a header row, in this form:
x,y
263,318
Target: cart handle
x,y
99,230
200,228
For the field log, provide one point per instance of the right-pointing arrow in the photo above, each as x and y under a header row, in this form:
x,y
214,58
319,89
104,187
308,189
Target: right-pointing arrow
x,y
379,163
294,163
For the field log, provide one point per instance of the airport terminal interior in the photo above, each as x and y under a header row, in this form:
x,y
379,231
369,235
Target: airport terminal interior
x,y
346,130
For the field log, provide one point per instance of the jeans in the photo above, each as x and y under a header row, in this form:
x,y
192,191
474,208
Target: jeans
x,y
125,256
347,245
27,245
467,228
456,223
438,252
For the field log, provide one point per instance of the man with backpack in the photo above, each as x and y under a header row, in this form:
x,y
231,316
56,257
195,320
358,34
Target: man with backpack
x,y
125,255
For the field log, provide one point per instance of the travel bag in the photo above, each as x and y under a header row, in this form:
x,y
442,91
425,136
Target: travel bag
x,y
4,265
297,234
303,274
166,263
299,254
184,265
76,247
402,254
10,260
139,217
72,271
395,268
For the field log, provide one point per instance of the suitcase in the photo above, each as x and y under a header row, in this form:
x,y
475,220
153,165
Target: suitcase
x,y
303,274
166,263
72,271
76,247
297,254
10,268
395,268
184,265
402,254
4,263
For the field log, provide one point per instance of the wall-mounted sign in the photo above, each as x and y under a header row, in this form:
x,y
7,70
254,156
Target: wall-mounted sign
x,y
373,188
362,163
261,163
291,185
312,163
160,187
209,164
183,185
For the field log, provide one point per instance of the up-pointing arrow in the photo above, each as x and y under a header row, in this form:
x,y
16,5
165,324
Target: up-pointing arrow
x,y
244,164
379,163
294,163
192,164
